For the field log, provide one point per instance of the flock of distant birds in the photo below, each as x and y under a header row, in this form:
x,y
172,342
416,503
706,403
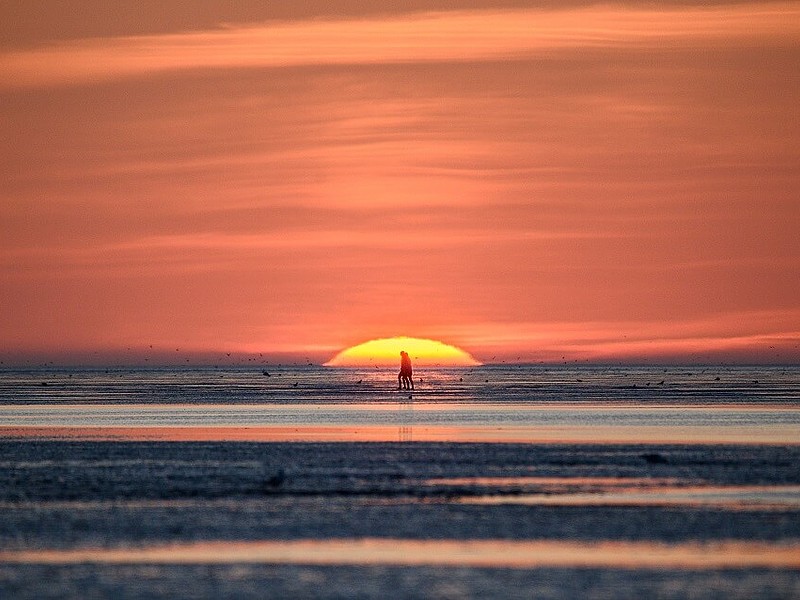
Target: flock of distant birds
x,y
295,384
310,363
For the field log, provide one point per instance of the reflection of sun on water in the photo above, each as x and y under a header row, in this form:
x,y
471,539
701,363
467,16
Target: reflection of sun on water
x,y
386,352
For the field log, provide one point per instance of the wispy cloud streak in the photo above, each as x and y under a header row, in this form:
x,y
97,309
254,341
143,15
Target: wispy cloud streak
x,y
446,36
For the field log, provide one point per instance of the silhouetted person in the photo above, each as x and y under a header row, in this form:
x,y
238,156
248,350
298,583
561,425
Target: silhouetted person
x,y
404,379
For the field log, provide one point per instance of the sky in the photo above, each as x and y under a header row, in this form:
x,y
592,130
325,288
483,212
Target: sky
x,y
529,181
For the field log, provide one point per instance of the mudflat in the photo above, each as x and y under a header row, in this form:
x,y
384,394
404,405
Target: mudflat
x,y
245,519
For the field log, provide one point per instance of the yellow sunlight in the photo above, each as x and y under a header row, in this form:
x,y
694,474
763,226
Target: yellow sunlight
x,y
386,352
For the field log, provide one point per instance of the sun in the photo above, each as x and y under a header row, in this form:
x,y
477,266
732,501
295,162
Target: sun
x,y
386,353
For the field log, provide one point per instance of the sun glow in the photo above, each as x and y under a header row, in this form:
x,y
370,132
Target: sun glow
x,y
386,353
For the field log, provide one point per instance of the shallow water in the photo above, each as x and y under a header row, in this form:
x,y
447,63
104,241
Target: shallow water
x,y
485,404
473,553
319,385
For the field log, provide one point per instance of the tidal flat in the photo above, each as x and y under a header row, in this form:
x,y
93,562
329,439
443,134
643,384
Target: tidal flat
x,y
232,519
490,482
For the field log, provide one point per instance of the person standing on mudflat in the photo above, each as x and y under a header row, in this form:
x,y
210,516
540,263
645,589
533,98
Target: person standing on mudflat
x,y
404,379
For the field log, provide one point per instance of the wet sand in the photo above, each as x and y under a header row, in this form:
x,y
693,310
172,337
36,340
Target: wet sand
x,y
216,519
488,483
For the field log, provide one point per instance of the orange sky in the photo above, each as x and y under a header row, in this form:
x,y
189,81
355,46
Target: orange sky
x,y
525,180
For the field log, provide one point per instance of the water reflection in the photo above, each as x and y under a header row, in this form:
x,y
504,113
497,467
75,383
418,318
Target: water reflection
x,y
405,432
412,552
742,497
412,430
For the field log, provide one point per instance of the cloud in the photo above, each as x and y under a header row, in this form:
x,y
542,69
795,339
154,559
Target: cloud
x,y
605,167
759,335
443,36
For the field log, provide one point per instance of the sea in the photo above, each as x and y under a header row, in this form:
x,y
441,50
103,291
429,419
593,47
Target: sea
x,y
489,403
506,481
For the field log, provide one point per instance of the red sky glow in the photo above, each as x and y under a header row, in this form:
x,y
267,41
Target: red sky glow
x,y
528,181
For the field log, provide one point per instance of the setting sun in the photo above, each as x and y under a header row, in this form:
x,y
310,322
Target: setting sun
x,y
386,352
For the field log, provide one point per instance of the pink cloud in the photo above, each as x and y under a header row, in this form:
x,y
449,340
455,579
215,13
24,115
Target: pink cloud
x,y
444,36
